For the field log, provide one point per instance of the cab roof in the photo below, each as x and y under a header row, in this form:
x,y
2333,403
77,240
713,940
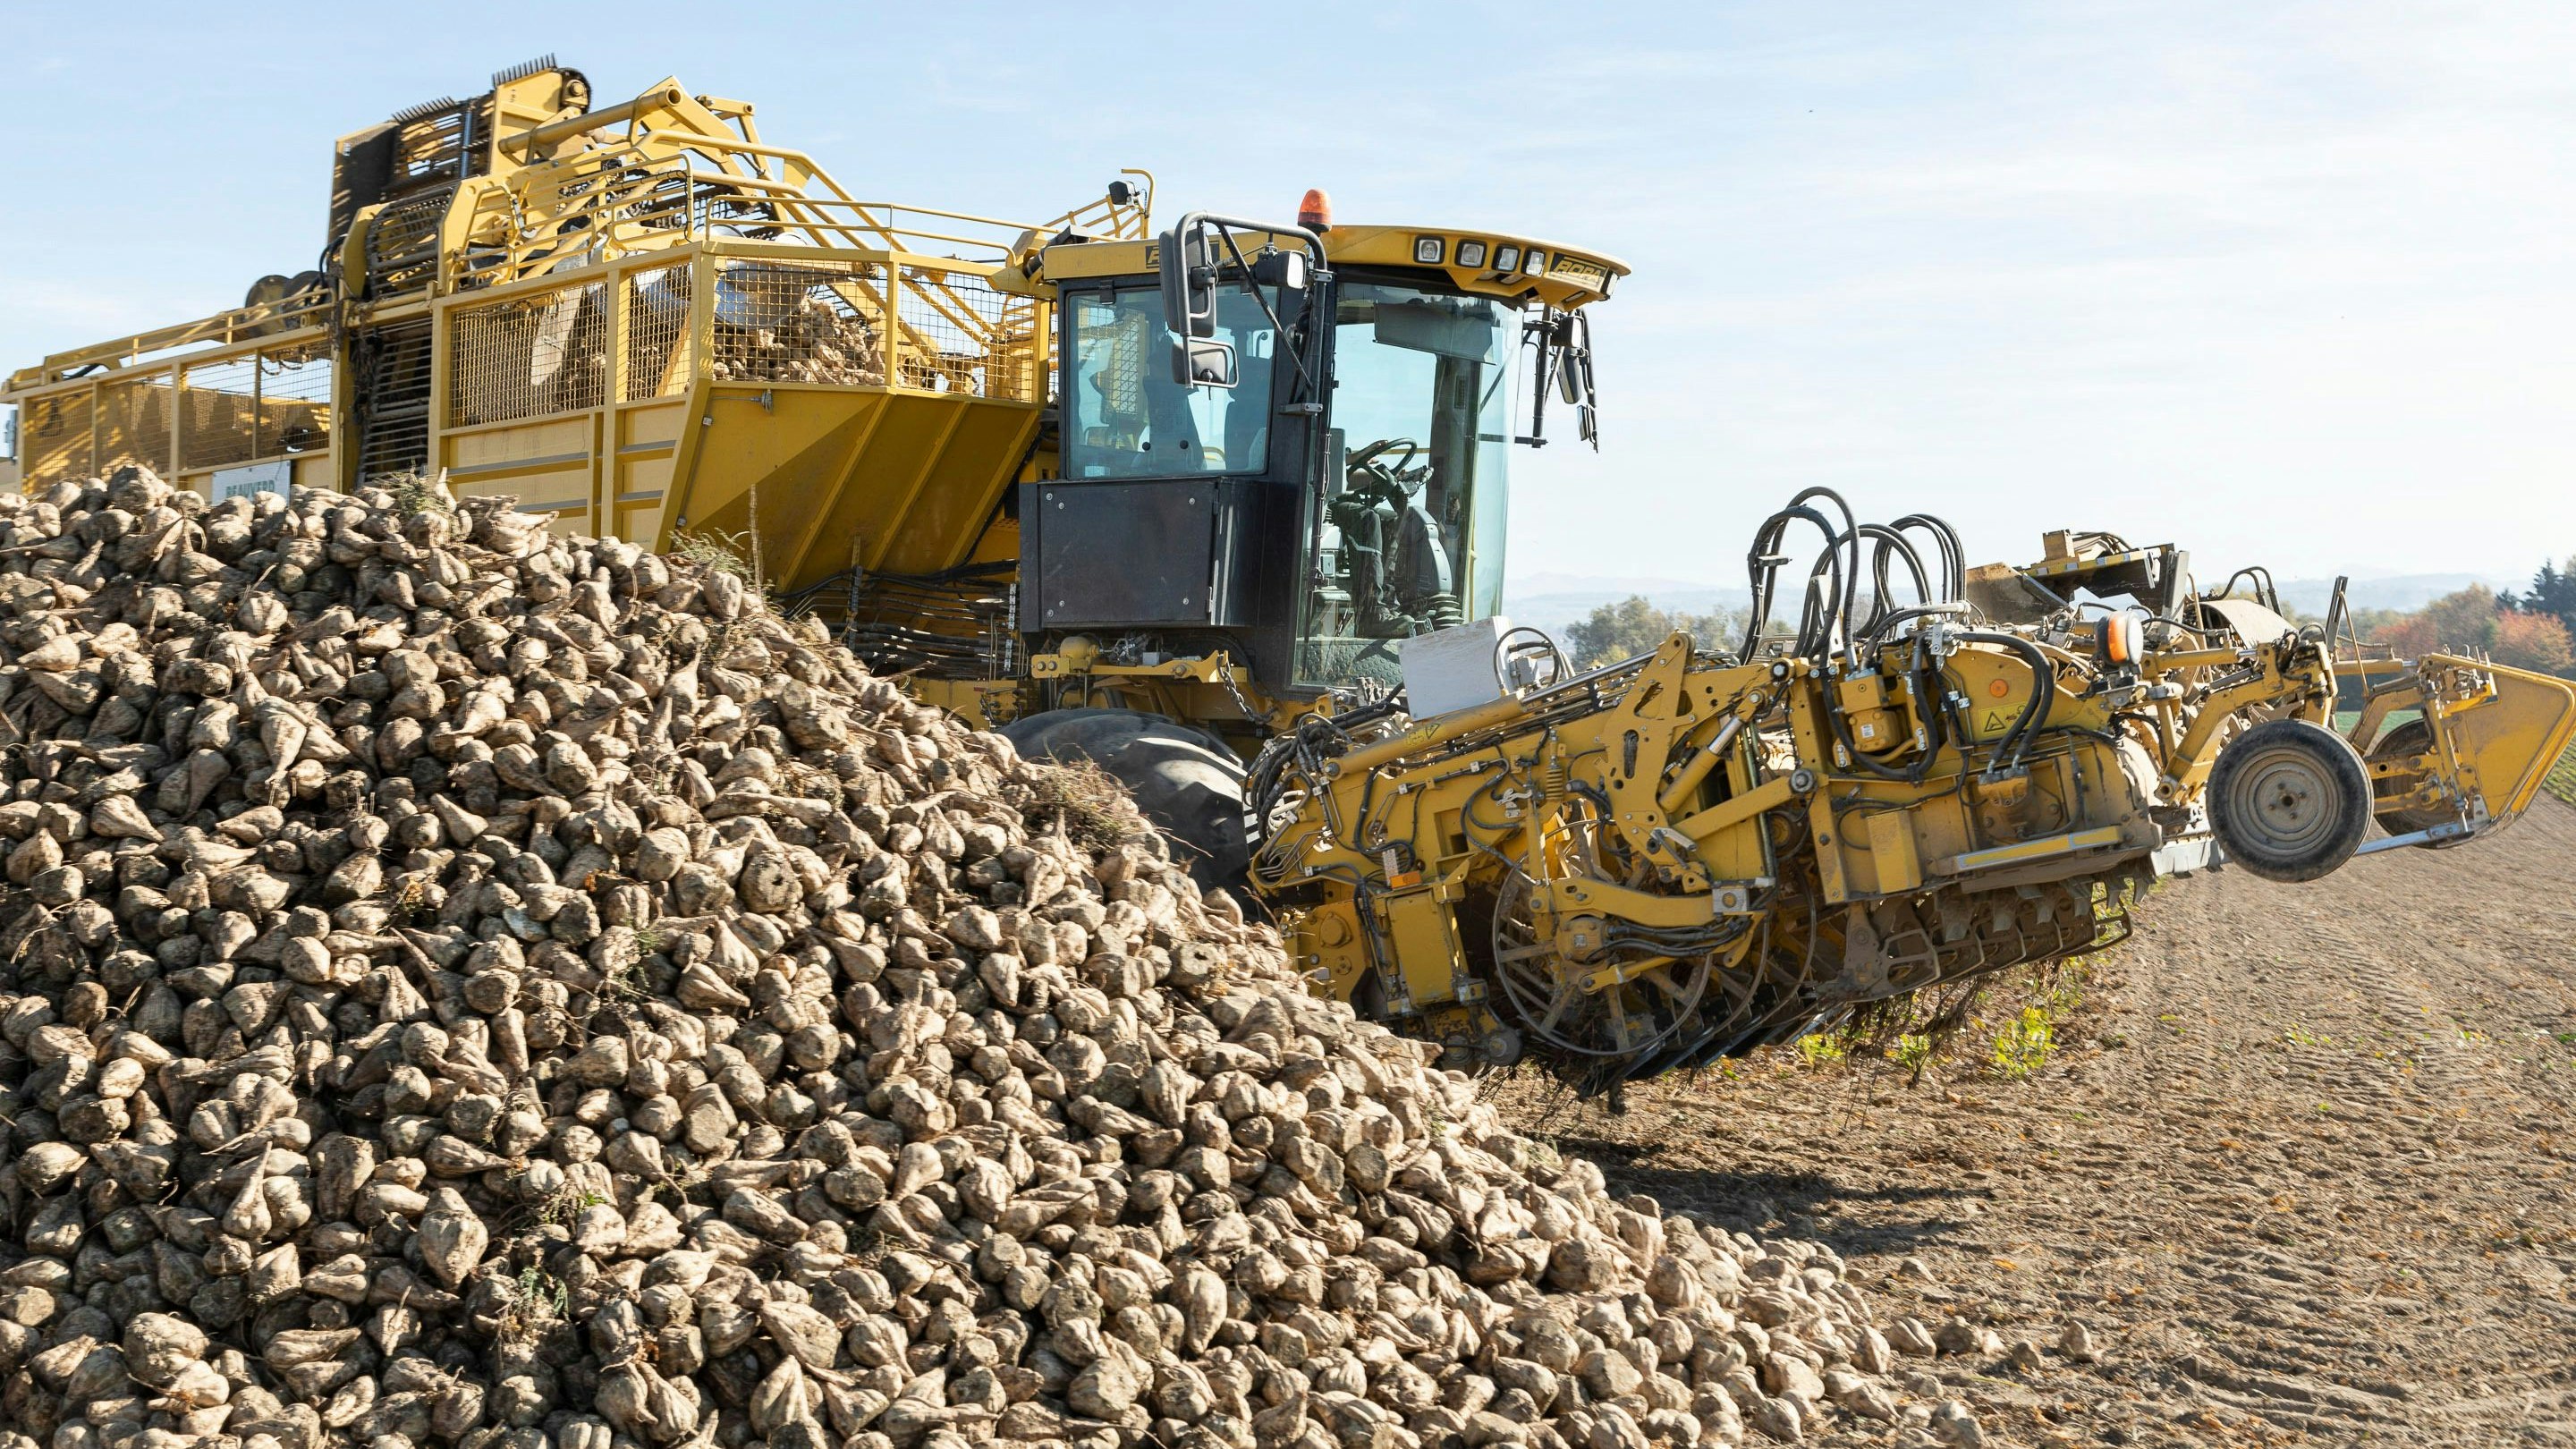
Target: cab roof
x,y
1487,263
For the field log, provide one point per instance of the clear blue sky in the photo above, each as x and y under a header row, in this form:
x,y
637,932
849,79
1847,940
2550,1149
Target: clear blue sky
x,y
2283,282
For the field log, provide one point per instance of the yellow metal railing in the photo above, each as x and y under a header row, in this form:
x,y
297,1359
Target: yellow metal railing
x,y
219,409
610,204
623,272
241,324
662,187
648,327
873,319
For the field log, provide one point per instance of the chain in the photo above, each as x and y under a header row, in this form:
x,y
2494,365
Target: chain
x,y
1225,676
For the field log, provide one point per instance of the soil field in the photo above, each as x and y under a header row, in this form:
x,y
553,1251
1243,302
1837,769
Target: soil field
x,y
2298,1164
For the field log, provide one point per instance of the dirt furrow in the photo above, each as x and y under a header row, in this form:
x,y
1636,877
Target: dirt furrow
x,y
2300,1167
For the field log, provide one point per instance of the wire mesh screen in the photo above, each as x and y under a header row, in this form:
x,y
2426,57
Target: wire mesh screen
x,y
54,434
294,404
960,335
808,322
218,413
134,424
527,357
657,332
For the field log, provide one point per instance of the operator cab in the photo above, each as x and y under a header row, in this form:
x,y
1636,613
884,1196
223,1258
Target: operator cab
x,y
1312,464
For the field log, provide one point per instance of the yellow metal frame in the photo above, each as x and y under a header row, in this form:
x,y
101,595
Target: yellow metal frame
x,y
1655,801
2496,732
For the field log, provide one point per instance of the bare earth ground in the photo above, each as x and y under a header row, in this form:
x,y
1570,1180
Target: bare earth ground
x,y
2300,1165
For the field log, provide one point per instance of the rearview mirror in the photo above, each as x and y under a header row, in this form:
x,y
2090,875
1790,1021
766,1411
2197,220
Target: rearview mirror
x,y
1569,380
1200,362
1189,284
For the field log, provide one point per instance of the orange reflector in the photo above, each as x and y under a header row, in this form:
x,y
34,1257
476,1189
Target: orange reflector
x,y
1315,213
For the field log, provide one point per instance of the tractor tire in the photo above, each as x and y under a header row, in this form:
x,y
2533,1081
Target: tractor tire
x,y
2411,738
2289,800
1185,780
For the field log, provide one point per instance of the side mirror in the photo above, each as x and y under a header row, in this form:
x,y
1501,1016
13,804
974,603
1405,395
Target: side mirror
x,y
1569,380
1189,284
1202,362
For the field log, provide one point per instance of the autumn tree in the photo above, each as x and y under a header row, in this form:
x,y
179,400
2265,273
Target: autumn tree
x,y
2476,621
2534,641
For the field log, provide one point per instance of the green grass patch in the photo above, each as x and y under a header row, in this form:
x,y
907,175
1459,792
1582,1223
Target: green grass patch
x,y
1825,1048
2006,1026
2022,1047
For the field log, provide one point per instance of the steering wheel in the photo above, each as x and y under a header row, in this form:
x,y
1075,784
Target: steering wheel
x,y
1396,479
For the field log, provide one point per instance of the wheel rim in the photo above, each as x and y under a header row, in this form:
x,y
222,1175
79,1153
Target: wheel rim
x,y
1551,1008
2283,802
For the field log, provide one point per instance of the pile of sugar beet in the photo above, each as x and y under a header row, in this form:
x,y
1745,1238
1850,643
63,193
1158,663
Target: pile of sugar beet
x,y
466,986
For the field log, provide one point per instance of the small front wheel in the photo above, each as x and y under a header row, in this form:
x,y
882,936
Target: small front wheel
x,y
2290,800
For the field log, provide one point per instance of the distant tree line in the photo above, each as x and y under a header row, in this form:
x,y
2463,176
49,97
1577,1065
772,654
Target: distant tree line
x,y
2527,630
2552,592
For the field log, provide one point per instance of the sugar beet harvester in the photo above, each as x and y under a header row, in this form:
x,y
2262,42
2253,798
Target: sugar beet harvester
x,y
1172,502
963,439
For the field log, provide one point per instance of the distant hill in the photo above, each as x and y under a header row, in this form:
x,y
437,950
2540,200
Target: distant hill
x,y
1554,601
2392,591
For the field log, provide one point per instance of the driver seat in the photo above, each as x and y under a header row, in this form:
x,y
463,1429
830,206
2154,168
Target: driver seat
x,y
1418,572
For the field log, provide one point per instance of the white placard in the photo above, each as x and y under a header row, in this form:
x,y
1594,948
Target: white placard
x,y
1452,669
256,478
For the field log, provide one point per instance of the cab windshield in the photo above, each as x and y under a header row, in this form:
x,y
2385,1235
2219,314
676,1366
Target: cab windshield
x,y
1130,420
1410,537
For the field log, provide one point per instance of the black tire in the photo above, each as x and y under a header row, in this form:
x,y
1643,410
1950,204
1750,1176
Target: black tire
x,y
2407,740
2290,800
1185,780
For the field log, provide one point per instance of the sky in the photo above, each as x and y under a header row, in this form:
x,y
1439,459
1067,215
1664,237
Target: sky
x,y
2282,282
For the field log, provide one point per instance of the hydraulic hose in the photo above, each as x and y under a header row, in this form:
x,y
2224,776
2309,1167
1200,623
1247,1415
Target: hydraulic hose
x,y
1954,556
1824,617
1892,547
